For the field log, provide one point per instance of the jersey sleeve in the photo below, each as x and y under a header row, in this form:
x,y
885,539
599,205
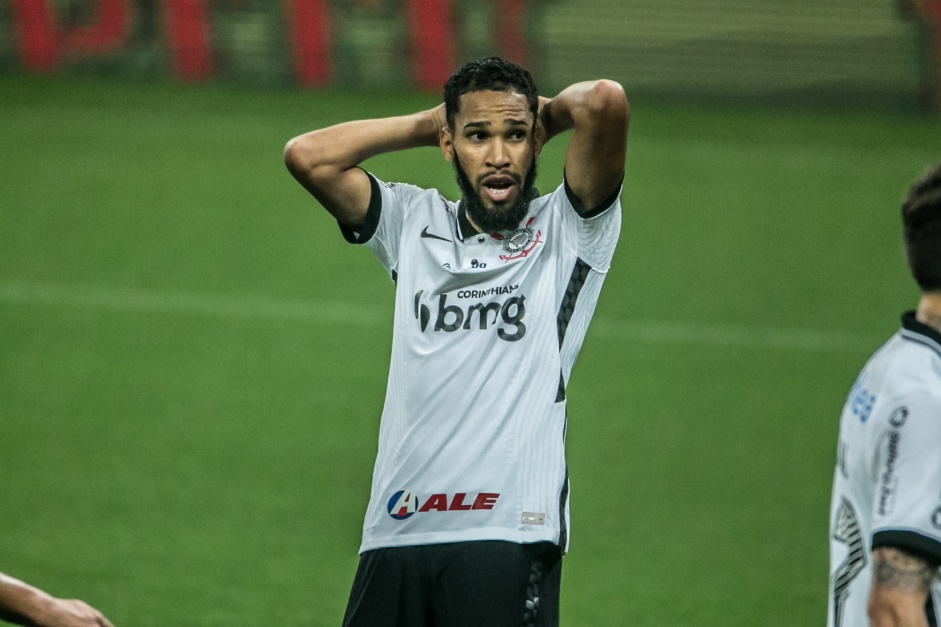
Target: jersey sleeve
x,y
388,205
596,228
907,503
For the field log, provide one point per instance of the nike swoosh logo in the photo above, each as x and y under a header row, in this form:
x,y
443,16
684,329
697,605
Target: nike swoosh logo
x,y
426,234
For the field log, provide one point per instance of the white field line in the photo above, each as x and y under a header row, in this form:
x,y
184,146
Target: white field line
x,y
732,335
330,312
188,303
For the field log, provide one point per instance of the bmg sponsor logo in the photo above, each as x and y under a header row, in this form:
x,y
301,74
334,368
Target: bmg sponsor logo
x,y
506,317
404,504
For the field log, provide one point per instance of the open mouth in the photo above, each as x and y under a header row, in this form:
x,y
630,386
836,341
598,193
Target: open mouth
x,y
498,188
498,193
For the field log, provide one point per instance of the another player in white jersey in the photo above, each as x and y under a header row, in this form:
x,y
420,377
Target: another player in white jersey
x,y
468,515
885,515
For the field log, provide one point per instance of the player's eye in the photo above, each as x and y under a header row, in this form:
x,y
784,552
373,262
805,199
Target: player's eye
x,y
477,136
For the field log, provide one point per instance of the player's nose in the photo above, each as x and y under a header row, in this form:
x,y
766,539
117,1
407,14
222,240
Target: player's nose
x,y
497,155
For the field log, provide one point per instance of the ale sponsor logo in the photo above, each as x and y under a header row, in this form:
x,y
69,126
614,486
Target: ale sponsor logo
x,y
404,504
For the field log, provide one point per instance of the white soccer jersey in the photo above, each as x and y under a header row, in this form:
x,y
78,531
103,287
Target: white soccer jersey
x,y
486,330
887,483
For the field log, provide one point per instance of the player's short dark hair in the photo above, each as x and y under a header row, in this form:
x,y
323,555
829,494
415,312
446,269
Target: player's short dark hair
x,y
490,74
921,219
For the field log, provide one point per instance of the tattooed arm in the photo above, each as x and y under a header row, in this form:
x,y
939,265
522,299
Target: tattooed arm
x,y
901,583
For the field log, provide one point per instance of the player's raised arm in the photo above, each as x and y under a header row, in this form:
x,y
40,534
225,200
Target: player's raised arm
x,y
325,161
23,604
599,114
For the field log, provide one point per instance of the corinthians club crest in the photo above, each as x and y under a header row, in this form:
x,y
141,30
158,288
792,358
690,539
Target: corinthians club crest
x,y
521,242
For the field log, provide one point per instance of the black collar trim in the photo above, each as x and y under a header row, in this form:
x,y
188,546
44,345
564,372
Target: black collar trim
x,y
465,228
920,332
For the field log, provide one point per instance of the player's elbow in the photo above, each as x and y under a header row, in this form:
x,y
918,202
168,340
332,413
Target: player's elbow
x,y
296,157
304,159
608,101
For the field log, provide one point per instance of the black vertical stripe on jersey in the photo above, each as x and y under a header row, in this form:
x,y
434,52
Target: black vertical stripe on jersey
x,y
563,523
567,309
560,393
572,290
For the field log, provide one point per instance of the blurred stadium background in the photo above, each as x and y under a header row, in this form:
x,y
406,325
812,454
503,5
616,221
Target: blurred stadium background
x,y
192,362
883,51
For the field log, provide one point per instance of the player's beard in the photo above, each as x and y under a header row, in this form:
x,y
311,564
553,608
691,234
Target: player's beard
x,y
496,219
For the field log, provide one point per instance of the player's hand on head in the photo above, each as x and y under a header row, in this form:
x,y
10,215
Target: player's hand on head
x,y
542,103
542,130
440,116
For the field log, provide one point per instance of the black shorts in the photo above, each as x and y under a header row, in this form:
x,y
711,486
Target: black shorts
x,y
468,584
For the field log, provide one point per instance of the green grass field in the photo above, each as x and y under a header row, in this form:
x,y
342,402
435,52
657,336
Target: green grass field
x,y
192,361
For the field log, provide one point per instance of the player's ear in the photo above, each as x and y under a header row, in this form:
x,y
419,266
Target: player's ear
x,y
446,142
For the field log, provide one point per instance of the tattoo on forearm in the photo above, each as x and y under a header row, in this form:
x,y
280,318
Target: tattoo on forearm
x,y
897,570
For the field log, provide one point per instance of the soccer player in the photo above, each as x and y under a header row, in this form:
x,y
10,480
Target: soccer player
x,y
469,509
23,604
885,529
